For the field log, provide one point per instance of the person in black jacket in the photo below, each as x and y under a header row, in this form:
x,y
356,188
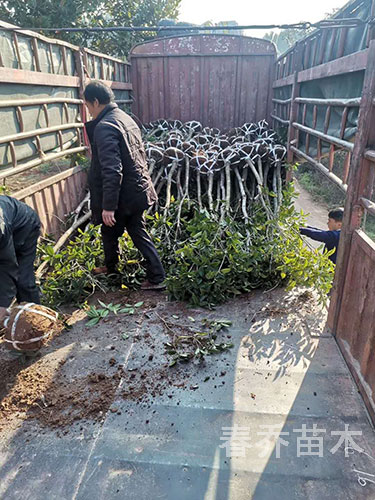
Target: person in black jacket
x,y
120,185
19,233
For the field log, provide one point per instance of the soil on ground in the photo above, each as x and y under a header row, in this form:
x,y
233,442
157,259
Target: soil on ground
x,y
79,375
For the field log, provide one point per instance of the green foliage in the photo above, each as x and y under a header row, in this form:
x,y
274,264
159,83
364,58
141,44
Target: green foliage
x,y
97,314
91,13
217,259
286,38
71,279
208,258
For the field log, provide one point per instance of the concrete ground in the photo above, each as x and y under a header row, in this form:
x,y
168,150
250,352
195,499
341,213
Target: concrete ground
x,y
316,214
135,428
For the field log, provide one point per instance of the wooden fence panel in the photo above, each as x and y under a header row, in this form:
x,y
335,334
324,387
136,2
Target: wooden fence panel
x,y
222,81
42,115
54,198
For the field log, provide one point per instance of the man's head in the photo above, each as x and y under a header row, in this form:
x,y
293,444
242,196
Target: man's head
x,y
335,219
97,95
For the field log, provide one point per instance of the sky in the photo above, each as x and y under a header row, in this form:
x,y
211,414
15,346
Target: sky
x,y
254,12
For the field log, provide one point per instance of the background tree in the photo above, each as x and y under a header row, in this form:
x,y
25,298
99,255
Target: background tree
x,y
91,13
284,39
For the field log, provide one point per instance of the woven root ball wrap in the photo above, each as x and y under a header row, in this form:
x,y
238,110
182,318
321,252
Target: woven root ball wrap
x,y
29,326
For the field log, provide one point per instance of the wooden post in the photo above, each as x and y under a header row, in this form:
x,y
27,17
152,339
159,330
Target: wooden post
x,y
293,115
16,46
51,58
34,44
64,61
370,32
81,72
360,173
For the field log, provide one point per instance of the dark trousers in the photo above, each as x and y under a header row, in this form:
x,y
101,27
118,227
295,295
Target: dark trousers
x,y
136,228
17,277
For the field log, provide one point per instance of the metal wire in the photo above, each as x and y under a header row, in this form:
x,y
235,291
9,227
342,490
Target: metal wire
x,y
325,24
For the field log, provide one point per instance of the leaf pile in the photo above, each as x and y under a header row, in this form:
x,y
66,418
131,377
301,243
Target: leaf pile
x,y
96,314
187,344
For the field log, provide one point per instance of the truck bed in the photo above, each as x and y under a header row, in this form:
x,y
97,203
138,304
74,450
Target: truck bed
x,y
102,415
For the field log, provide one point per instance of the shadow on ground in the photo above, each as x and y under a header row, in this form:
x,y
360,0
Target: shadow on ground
x,y
106,417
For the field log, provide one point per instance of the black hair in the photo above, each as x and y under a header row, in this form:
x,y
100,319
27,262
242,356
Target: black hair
x,y
336,214
100,91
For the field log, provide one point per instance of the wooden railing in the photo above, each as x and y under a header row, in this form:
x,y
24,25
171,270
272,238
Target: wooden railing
x,y
291,114
39,128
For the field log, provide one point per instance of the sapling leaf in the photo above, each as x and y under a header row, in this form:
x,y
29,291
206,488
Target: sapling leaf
x,y
93,321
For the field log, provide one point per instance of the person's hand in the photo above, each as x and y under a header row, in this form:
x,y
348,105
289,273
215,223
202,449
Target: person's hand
x,y
108,217
3,315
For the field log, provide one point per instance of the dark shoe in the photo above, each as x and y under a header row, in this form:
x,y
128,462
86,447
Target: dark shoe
x,y
147,285
103,270
100,270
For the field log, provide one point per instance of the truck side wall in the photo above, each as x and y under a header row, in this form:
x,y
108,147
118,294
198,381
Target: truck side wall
x,y
42,115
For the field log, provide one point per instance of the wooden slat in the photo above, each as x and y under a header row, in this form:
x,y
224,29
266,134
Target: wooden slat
x,y
29,191
102,76
280,120
368,205
330,102
346,167
282,101
34,43
325,137
190,54
118,85
332,43
327,119
320,167
370,155
343,122
45,111
64,59
13,154
18,54
323,41
9,172
40,101
342,40
283,82
107,57
20,118
346,64
39,131
51,61
10,75
34,34
331,157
